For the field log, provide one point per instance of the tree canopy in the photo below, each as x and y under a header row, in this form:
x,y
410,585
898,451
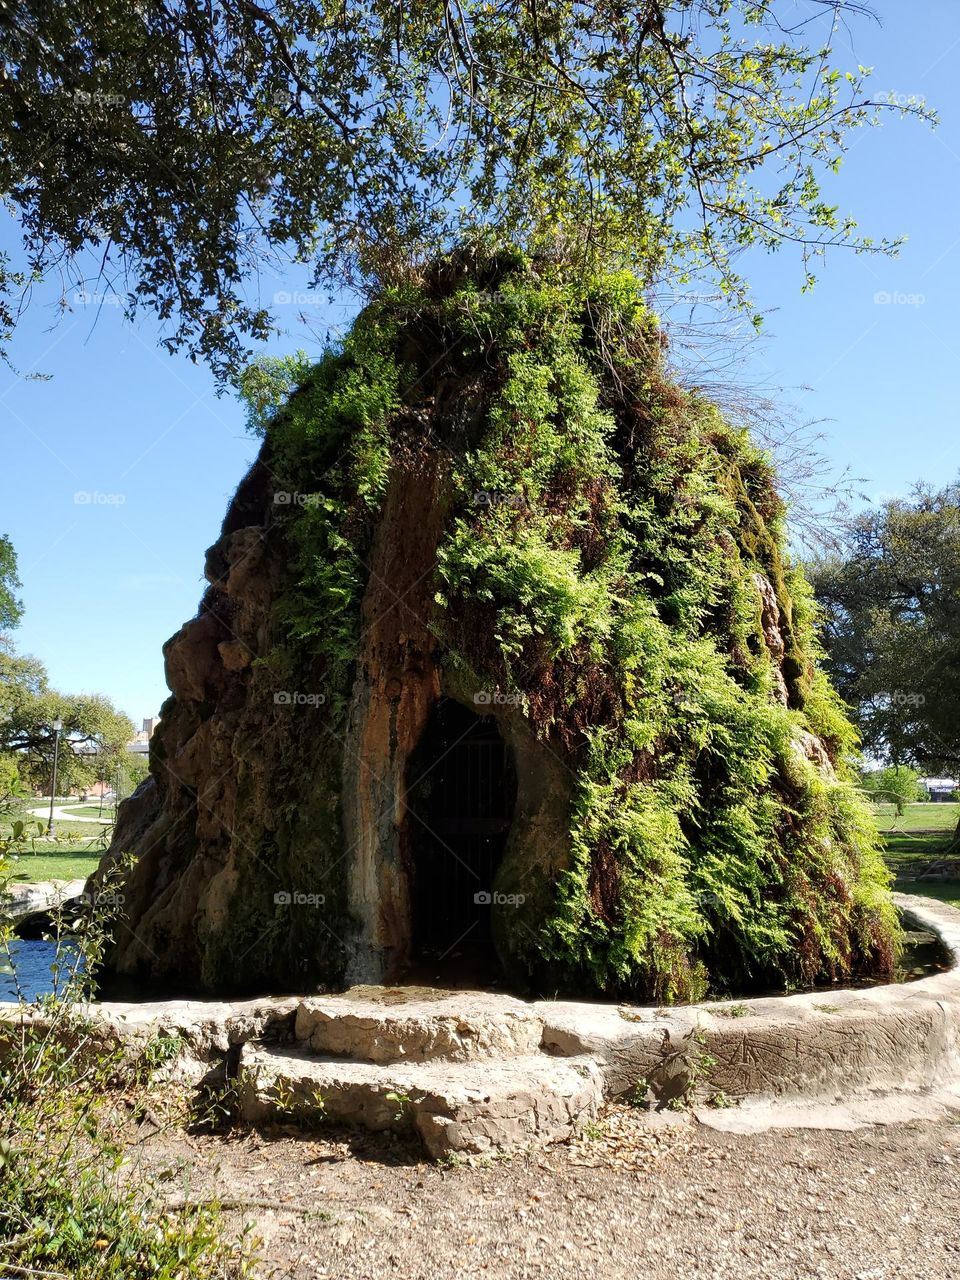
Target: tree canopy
x,y
891,602
11,607
181,148
897,784
92,725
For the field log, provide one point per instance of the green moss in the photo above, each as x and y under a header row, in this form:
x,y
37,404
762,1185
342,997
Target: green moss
x,y
599,558
329,454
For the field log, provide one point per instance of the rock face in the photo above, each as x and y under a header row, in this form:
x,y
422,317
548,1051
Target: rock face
x,y
499,662
772,635
225,895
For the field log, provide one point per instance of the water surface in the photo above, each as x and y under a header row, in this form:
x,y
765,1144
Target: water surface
x,y
39,967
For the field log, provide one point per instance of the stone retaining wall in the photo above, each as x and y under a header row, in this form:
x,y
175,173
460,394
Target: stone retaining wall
x,y
825,1045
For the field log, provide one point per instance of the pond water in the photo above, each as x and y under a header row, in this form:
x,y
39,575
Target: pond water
x,y
42,966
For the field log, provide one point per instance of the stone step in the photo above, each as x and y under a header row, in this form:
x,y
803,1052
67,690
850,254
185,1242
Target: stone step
x,y
474,1107
391,1024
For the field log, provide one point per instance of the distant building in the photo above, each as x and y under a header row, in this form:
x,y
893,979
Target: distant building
x,y
940,790
141,741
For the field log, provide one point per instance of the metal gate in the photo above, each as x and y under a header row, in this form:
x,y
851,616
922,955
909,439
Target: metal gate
x,y
462,793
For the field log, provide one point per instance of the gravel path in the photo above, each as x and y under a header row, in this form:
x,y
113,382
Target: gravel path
x,y
634,1200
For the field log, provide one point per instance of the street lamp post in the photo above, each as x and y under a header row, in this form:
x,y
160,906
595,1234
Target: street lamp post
x,y
57,726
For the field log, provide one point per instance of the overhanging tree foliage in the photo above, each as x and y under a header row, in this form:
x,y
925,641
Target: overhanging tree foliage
x,y
181,143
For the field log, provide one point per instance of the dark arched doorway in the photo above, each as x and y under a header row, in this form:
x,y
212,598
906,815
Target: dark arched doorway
x,y
461,797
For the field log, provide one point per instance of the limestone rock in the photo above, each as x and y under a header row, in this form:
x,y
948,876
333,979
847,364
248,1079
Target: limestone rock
x,y
772,635
470,1107
234,654
460,1027
809,747
438,531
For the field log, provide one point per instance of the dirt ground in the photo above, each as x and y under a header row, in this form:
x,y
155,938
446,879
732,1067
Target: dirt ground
x,y
632,1198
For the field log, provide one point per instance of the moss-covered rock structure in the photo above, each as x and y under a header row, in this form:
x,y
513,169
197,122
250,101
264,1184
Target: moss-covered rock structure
x,y
502,650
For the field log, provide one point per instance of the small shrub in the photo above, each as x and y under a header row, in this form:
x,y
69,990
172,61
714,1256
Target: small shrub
x,y
68,1205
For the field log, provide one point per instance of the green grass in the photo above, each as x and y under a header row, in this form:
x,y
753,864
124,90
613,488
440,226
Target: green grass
x,y
903,849
920,833
74,854
91,811
923,833
69,863
86,832
918,817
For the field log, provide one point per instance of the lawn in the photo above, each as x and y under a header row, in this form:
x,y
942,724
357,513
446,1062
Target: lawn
x,y
903,848
918,817
68,863
91,811
75,853
920,835
922,832
85,833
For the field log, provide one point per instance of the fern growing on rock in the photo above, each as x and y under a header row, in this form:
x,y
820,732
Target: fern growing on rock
x,y
492,484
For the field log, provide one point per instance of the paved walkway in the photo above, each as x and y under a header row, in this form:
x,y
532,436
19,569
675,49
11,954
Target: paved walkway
x,y
60,814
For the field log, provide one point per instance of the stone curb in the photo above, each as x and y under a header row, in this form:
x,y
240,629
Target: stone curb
x,y
825,1045
27,898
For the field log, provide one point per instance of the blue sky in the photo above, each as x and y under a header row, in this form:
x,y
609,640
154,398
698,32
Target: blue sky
x,y
144,437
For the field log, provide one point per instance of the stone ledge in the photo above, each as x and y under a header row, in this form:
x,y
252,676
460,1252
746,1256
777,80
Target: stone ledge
x,y
459,1027
828,1046
30,898
473,1107
824,1044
